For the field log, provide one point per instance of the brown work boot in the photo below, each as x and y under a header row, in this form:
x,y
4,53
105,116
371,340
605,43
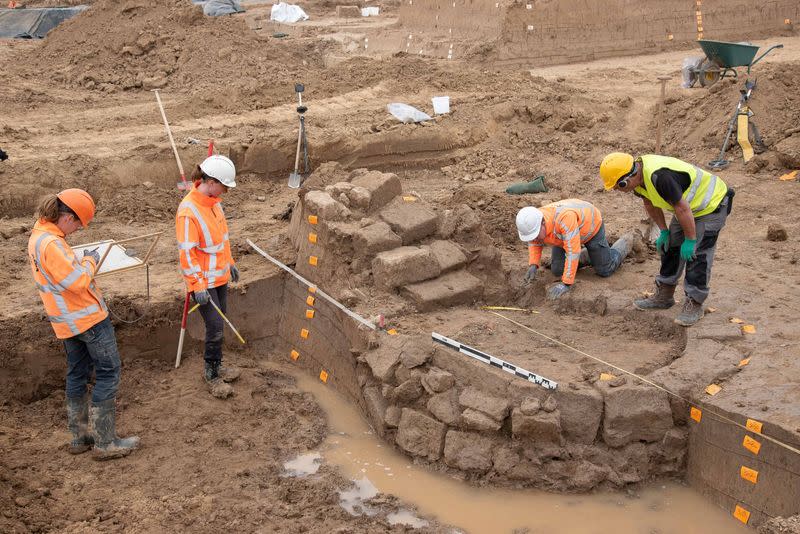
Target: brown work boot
x,y
691,313
662,299
229,374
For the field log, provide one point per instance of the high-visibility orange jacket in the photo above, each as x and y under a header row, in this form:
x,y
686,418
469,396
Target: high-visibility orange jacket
x,y
203,244
72,301
568,224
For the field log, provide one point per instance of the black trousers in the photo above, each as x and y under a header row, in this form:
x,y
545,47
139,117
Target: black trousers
x,y
214,323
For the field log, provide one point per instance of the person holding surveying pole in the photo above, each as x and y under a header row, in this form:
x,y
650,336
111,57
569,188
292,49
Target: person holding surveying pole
x,y
206,261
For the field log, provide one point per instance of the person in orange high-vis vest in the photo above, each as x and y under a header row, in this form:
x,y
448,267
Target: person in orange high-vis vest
x,y
567,226
205,257
79,317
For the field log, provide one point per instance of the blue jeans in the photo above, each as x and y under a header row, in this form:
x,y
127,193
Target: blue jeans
x,y
96,348
214,324
604,259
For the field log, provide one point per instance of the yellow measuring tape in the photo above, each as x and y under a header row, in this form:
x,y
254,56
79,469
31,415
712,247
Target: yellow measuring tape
x,y
743,134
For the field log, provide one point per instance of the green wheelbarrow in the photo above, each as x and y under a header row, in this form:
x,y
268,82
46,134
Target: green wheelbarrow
x,y
722,58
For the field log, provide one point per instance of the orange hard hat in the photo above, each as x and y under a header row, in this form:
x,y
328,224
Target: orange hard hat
x,y
80,202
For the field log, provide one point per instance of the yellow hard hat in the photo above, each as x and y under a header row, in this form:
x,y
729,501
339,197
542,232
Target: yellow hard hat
x,y
615,166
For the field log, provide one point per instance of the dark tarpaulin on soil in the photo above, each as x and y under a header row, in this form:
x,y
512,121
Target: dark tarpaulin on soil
x,y
33,23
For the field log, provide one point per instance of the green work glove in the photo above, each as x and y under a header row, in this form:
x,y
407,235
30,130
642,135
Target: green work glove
x,y
662,243
687,249
556,290
531,274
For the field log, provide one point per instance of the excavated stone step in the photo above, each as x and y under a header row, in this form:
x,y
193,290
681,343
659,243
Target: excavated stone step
x,y
451,289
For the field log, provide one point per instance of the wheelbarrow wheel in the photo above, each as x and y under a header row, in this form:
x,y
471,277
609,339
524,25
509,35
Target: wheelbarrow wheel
x,y
708,73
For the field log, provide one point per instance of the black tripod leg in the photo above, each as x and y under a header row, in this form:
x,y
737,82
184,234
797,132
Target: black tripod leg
x,y
306,164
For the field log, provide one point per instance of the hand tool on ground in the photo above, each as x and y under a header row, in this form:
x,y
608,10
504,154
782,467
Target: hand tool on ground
x,y
295,179
183,330
214,304
183,185
661,112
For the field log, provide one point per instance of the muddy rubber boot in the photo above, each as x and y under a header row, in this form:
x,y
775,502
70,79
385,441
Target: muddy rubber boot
x,y
691,313
216,383
229,374
662,299
78,424
624,245
107,445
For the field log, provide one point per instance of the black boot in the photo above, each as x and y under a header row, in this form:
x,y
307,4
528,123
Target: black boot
x,y
216,380
107,445
211,371
78,424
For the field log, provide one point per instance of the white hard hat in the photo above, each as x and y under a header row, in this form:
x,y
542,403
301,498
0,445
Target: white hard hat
x,y
529,222
220,168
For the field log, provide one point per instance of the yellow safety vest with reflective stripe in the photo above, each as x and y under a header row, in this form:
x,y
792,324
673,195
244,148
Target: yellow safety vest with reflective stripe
x,y
203,243
568,224
704,194
66,286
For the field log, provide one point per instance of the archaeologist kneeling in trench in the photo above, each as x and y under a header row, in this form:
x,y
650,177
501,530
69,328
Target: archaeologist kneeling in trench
x,y
79,317
206,261
567,225
700,203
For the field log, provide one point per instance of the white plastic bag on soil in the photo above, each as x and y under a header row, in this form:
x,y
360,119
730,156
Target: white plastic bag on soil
x,y
216,8
689,76
406,113
287,13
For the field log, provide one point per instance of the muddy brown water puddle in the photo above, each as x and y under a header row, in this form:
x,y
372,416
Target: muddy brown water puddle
x,y
375,467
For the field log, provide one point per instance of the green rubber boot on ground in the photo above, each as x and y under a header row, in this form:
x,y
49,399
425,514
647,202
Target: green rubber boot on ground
x,y
662,299
691,313
107,445
78,424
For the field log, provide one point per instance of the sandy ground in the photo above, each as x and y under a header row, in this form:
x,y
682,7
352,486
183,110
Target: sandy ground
x,y
210,465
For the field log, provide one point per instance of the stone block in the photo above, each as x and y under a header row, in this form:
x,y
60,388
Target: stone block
x,y
716,331
325,206
475,420
437,380
530,406
635,413
402,266
383,362
420,435
468,451
392,416
382,187
408,391
444,407
360,198
376,409
451,289
474,398
581,412
412,221
449,255
375,238
348,12
542,428
412,357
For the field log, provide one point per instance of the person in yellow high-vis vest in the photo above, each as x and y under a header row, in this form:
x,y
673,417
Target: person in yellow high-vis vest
x,y
700,203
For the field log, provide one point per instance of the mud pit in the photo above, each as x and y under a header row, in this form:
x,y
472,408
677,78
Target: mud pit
x,y
208,465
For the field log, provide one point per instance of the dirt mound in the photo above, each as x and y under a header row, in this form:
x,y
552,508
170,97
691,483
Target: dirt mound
x,y
776,105
151,44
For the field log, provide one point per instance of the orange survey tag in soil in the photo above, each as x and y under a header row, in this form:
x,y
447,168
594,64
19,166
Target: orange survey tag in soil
x,y
312,289
754,426
304,333
696,414
309,314
713,389
744,362
741,514
605,377
312,219
323,375
749,328
392,332
750,475
313,260
310,300
294,354
751,445
312,238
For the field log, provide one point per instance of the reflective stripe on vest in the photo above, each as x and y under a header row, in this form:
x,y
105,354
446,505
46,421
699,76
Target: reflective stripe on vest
x,y
212,250
705,191
56,289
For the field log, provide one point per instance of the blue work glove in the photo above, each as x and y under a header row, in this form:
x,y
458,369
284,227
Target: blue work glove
x,y
531,274
234,274
92,254
202,297
556,290
687,249
662,243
